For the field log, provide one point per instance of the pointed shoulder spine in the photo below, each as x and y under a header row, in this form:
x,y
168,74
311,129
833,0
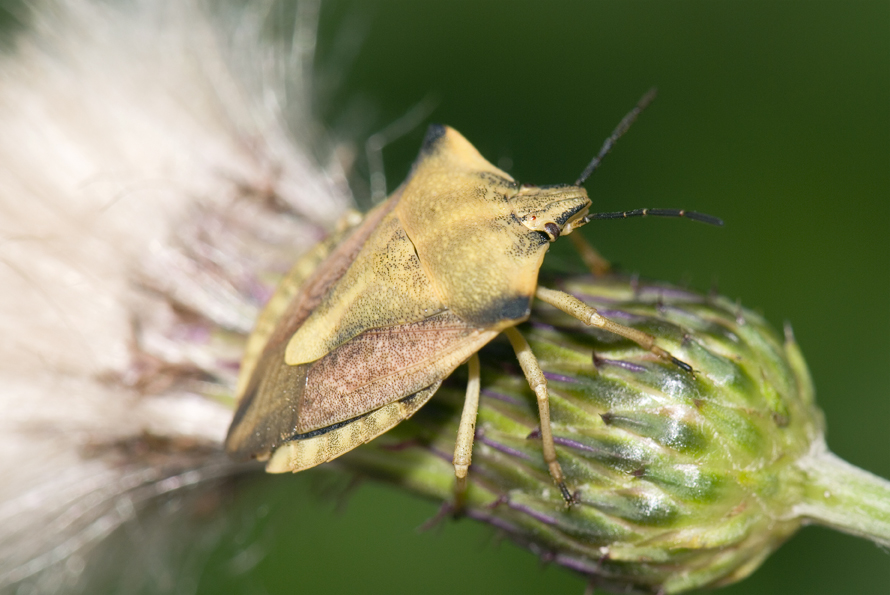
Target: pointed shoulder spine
x,y
434,134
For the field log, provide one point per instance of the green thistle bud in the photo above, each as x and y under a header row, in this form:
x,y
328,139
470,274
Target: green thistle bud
x,y
682,480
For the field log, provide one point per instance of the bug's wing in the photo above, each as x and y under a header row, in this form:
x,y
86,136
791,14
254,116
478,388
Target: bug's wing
x,y
384,286
377,368
305,286
385,364
451,241
323,445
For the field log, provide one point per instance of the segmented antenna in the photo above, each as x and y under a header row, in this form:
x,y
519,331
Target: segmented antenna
x,y
617,133
709,219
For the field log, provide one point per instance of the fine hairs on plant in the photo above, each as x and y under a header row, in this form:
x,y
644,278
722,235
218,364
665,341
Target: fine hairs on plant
x,y
156,159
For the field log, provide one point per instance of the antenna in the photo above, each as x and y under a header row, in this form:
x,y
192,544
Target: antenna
x,y
617,133
703,218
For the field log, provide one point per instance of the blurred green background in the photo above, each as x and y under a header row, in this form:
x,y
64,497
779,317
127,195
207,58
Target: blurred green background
x,y
774,116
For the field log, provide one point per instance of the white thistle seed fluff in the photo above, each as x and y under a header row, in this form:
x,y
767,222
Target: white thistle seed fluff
x,y
144,149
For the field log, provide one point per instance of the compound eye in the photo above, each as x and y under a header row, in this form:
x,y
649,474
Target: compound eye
x,y
552,231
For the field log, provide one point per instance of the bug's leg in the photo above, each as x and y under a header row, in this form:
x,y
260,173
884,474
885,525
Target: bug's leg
x,y
396,129
538,384
594,261
588,315
466,432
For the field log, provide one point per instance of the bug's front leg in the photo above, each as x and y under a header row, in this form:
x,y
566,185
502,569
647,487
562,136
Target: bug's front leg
x,y
538,384
466,432
588,315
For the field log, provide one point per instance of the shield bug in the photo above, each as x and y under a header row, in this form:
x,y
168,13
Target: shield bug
x,y
364,329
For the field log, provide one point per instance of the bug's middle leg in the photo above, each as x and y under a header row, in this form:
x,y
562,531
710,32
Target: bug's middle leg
x,y
466,432
595,262
538,384
588,315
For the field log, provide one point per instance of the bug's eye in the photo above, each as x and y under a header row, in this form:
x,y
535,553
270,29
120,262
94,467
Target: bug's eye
x,y
552,231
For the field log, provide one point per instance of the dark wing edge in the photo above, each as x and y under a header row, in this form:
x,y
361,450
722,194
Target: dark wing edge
x,y
303,289
379,368
320,446
267,411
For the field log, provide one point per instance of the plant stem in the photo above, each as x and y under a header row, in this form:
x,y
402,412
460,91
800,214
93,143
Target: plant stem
x,y
844,497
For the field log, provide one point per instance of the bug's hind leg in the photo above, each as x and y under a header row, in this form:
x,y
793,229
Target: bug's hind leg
x,y
538,384
466,432
588,315
595,262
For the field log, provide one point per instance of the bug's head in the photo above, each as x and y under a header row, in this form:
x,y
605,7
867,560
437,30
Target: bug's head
x,y
552,210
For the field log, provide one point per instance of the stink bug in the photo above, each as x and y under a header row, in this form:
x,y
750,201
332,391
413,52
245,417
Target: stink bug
x,y
363,330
